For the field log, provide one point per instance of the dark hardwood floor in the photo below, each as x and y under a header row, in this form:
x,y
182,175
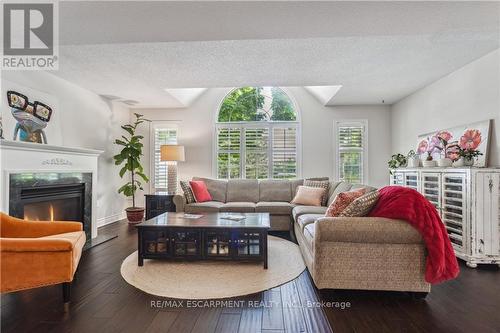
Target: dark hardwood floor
x,y
103,302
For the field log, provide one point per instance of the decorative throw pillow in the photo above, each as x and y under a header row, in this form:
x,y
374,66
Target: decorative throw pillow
x,y
362,205
188,193
319,183
342,200
308,196
200,191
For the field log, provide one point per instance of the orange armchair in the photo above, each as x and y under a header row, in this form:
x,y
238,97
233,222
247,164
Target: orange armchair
x,y
36,254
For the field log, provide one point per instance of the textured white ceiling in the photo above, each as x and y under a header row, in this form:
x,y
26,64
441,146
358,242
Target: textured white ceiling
x,y
375,50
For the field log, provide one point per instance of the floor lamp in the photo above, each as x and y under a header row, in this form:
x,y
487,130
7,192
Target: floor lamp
x,y
172,154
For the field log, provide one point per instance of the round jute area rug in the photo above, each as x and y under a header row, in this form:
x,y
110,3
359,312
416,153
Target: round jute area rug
x,y
215,279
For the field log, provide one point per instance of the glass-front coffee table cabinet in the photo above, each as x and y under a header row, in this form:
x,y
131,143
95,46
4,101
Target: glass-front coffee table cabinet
x,y
210,237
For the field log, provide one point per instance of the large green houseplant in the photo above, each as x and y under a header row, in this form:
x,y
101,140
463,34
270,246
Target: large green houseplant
x,y
130,158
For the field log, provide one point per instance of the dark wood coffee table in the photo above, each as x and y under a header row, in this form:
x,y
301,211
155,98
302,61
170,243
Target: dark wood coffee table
x,y
210,237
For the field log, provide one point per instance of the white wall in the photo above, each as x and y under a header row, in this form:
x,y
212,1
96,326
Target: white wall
x,y
88,121
470,94
196,133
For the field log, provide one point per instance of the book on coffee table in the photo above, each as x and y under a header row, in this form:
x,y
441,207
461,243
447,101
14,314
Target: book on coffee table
x,y
233,217
192,216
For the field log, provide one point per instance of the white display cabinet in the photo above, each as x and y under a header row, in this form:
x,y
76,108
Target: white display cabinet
x,y
468,202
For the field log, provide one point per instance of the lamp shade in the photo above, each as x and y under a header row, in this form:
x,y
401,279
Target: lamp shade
x,y
172,153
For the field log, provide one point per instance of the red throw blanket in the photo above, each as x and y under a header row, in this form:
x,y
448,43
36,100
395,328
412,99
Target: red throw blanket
x,y
403,203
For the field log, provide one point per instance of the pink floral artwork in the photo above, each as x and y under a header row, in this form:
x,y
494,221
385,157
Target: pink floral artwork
x,y
449,141
422,147
471,139
452,151
444,135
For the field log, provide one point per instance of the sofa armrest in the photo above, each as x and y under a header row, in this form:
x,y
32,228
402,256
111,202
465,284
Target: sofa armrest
x,y
180,202
365,230
34,245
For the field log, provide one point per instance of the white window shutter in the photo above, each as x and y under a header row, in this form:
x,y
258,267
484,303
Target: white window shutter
x,y
284,152
351,139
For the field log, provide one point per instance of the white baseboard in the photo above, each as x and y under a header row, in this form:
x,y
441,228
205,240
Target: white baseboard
x,y
102,221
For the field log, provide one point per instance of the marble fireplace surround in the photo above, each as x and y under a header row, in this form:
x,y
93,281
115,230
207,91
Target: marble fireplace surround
x,y
23,157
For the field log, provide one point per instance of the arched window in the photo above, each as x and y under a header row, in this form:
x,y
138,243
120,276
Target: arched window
x,y
257,134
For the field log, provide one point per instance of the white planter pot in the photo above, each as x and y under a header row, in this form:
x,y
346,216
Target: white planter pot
x,y
444,162
468,162
413,162
428,164
459,163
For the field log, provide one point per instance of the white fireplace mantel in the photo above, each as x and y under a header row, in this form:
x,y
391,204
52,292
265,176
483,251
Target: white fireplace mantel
x,y
21,157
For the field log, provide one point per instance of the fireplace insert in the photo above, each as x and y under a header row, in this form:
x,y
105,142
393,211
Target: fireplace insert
x,y
53,203
52,197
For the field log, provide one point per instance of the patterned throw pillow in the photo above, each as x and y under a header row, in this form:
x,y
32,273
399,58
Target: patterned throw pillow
x,y
362,205
188,193
342,200
319,183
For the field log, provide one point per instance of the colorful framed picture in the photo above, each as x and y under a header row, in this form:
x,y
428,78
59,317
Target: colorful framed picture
x,y
448,142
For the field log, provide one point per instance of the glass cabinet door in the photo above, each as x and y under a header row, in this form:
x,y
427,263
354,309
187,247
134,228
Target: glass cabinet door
x,y
186,243
454,208
156,243
247,244
217,243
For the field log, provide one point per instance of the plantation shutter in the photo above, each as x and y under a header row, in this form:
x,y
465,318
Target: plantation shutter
x,y
284,152
228,153
256,153
162,136
351,141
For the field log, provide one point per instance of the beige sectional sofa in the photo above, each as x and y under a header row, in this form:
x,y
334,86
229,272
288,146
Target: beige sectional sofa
x,y
340,253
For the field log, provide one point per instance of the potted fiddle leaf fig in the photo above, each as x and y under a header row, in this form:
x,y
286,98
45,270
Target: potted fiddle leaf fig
x,y
130,158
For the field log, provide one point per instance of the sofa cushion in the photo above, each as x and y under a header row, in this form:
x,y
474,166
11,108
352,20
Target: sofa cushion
x,y
277,207
200,191
295,183
331,188
309,235
216,187
342,200
341,187
306,219
362,205
275,190
203,207
188,192
238,207
242,190
322,184
300,210
310,196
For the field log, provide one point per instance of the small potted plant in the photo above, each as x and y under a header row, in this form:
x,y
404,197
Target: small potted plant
x,y
130,156
397,161
469,155
413,159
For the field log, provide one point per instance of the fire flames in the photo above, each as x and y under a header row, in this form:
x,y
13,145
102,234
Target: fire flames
x,y
36,218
